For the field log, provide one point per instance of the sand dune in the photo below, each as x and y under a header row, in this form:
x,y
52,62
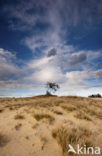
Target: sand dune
x,y
44,126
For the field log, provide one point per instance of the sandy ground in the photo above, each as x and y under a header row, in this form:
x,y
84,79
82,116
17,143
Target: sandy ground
x,y
28,136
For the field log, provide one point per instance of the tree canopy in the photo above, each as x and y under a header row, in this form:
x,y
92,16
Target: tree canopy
x,y
52,87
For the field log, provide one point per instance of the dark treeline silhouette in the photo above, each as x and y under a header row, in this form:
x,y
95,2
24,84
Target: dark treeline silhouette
x,y
95,96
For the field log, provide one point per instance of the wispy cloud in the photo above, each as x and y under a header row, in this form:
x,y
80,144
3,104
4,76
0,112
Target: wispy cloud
x,y
48,25
8,68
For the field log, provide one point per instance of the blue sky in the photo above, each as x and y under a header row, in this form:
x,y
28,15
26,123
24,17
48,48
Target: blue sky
x,y
58,41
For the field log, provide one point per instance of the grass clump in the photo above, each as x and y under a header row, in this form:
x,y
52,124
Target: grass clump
x,y
82,115
58,112
18,126
97,114
19,116
69,108
61,135
1,110
39,117
17,106
44,141
73,136
3,140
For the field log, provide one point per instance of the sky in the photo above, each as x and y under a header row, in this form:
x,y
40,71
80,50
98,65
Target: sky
x,y
56,41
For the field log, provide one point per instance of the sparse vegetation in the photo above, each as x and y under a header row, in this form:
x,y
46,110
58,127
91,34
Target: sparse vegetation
x,y
35,126
82,115
44,140
19,116
65,117
1,110
27,137
18,106
68,135
3,139
18,126
44,116
11,108
68,108
58,112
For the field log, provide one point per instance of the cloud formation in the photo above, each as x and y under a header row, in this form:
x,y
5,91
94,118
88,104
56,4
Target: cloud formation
x,y
55,18
73,12
52,52
7,67
37,72
78,58
99,73
46,26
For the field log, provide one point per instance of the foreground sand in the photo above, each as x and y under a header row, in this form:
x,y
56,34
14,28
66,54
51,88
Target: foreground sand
x,y
43,126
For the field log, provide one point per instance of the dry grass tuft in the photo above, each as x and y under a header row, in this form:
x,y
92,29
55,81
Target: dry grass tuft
x,y
11,108
27,137
19,116
39,117
73,136
18,126
1,110
44,140
69,108
58,112
61,135
82,115
97,114
18,106
35,126
3,140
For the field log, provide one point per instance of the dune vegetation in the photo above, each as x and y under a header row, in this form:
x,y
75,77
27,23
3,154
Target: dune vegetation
x,y
45,125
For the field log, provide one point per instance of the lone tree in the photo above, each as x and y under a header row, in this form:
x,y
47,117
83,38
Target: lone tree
x,y
51,87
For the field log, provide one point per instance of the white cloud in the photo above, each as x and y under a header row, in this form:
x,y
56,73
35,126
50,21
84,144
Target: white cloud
x,y
7,66
68,66
78,77
46,74
39,62
55,12
36,73
6,54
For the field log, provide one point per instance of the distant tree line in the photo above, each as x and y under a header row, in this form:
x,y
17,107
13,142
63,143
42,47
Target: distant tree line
x,y
95,96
